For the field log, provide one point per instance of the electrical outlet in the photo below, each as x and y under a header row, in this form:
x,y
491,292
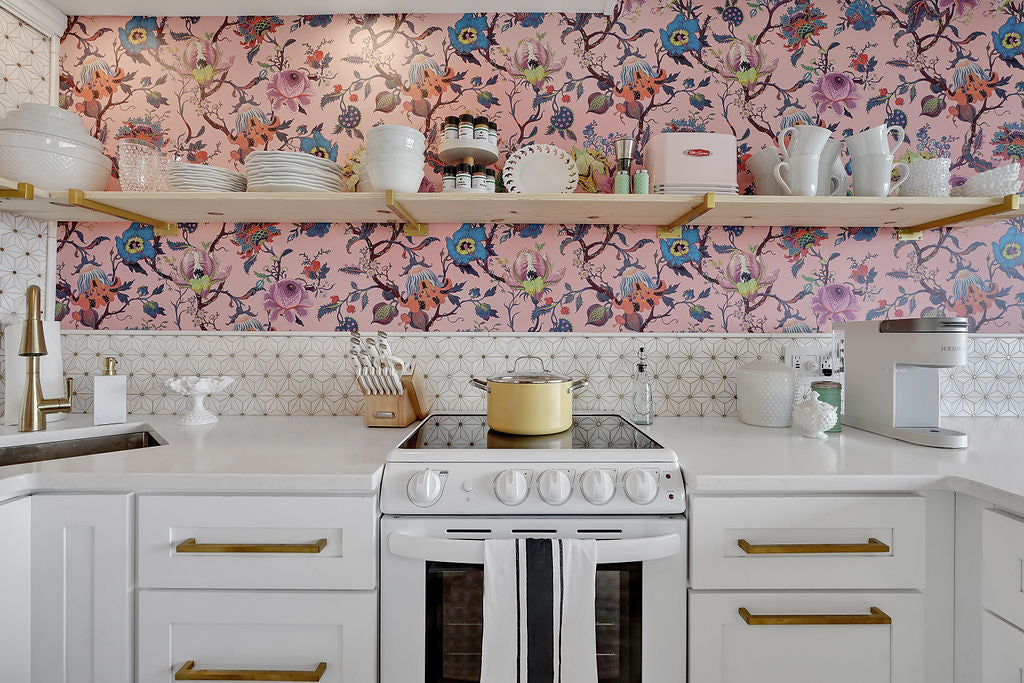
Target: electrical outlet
x,y
809,359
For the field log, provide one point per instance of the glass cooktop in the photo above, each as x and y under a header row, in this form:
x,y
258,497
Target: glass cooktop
x,y
588,432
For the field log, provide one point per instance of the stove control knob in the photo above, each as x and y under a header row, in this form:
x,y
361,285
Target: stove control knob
x,y
424,488
554,487
640,486
598,486
511,487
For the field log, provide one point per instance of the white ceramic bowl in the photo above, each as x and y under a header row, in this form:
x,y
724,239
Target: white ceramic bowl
x,y
392,158
29,126
50,110
76,126
394,131
395,177
389,148
51,163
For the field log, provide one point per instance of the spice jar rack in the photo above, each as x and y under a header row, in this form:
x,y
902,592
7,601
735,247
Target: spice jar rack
x,y
469,154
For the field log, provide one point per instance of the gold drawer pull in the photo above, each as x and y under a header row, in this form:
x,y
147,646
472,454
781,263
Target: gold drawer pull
x,y
877,616
189,545
872,546
188,672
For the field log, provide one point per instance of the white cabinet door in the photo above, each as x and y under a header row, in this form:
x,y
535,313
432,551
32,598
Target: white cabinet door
x,y
729,647
1002,651
15,590
81,588
257,632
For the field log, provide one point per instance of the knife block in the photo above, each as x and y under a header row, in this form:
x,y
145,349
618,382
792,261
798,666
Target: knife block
x,y
398,410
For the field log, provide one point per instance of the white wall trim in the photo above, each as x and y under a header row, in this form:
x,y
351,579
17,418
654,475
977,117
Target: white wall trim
x,y
39,14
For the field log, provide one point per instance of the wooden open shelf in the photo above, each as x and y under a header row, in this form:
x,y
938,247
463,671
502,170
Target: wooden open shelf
x,y
419,210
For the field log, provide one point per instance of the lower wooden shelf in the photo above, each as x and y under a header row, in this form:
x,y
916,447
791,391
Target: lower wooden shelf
x,y
426,208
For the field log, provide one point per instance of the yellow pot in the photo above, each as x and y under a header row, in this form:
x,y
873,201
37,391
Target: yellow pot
x,y
529,404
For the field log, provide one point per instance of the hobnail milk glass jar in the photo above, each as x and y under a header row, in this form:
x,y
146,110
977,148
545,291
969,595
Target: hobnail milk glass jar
x,y
764,393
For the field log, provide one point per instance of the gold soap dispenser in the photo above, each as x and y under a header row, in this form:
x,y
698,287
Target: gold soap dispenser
x,y
109,395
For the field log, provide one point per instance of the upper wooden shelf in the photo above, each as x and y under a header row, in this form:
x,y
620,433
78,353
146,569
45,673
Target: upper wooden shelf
x,y
163,208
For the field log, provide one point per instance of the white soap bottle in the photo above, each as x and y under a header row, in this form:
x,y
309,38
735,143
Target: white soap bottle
x,y
109,396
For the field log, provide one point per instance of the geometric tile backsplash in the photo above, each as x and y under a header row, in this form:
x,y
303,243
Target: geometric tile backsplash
x,y
309,374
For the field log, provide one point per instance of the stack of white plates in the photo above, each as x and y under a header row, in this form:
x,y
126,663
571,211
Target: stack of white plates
x,y
273,171
393,159
184,177
695,188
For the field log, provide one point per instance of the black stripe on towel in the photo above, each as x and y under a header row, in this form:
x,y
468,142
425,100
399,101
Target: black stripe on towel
x,y
539,614
519,622
561,603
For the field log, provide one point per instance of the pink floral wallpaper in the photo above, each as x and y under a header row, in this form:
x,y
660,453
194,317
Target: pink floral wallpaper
x,y
215,88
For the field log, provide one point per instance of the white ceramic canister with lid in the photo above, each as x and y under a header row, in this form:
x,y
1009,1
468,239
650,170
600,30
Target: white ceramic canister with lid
x,y
764,393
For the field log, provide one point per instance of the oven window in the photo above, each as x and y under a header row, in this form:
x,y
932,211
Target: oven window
x,y
454,628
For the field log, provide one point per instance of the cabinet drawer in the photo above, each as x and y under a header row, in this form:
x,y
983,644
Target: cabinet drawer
x,y
808,647
327,542
1002,651
837,542
1002,543
257,632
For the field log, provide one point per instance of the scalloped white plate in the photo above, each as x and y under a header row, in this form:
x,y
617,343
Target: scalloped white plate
x,y
540,169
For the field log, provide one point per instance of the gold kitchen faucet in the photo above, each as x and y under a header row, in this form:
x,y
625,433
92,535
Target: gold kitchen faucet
x,y
35,408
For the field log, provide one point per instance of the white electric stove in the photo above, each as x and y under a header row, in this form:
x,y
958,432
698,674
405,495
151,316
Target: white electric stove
x,y
454,483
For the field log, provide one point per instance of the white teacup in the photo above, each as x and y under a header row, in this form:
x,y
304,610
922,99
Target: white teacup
x,y
872,175
803,140
762,167
829,182
874,140
801,175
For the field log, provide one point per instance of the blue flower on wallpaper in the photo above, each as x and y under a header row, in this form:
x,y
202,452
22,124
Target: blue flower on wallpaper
x,y
320,20
139,34
1008,39
467,244
319,146
680,36
861,15
863,234
1009,252
685,249
531,230
530,19
469,33
153,309
136,243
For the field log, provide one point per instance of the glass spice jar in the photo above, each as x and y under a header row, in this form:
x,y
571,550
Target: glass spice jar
x,y
448,178
466,127
479,178
451,127
463,177
492,133
490,179
480,128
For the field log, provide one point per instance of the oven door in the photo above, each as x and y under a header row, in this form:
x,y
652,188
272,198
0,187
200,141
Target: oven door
x,y
432,594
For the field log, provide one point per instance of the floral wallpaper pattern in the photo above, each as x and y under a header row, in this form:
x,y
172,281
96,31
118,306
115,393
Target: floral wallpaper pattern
x,y
213,89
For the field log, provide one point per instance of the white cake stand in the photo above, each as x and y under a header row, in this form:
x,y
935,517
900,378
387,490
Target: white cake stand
x,y
198,388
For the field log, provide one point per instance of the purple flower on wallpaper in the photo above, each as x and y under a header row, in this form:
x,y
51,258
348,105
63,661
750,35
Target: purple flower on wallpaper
x,y
288,299
746,63
961,6
746,274
835,91
290,87
199,270
835,302
533,61
532,272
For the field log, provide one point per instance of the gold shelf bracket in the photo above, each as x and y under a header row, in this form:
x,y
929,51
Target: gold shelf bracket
x,y
160,228
413,228
23,191
674,230
1011,202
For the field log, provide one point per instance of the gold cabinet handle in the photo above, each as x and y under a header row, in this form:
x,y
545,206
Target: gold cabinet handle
x,y
872,546
876,616
189,545
188,672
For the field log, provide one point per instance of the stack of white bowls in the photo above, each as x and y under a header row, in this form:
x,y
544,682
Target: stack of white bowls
x,y
279,171
927,178
185,177
50,148
393,159
995,182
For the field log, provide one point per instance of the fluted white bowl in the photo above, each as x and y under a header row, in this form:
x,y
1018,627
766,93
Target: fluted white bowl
x,y
51,163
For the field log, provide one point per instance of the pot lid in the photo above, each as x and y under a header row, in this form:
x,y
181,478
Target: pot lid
x,y
544,376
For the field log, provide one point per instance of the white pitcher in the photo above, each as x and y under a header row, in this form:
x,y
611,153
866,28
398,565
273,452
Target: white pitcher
x,y
875,140
830,184
803,140
762,167
801,175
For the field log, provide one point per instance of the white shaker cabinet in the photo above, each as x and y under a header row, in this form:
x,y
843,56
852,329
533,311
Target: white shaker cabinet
x,y
15,590
82,587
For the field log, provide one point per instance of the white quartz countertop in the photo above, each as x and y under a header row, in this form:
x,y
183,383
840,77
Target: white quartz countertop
x,y
307,454
340,454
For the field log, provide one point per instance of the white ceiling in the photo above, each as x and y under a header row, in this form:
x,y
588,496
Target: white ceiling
x,y
258,7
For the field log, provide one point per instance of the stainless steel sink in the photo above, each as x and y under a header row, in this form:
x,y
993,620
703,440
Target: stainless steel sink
x,y
53,450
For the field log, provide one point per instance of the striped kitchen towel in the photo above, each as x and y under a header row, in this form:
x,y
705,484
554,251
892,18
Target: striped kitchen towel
x,y
539,623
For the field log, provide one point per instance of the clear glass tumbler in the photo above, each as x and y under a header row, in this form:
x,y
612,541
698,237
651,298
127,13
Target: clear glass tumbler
x,y
137,165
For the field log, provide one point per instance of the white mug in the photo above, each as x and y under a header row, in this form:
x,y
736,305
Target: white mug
x,y
874,140
762,167
830,184
801,175
872,175
839,171
803,140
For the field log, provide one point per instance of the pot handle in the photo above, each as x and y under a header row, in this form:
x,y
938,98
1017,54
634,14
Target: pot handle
x,y
529,356
480,384
578,385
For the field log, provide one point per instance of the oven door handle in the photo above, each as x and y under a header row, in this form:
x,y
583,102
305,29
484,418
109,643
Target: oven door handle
x,y
464,551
